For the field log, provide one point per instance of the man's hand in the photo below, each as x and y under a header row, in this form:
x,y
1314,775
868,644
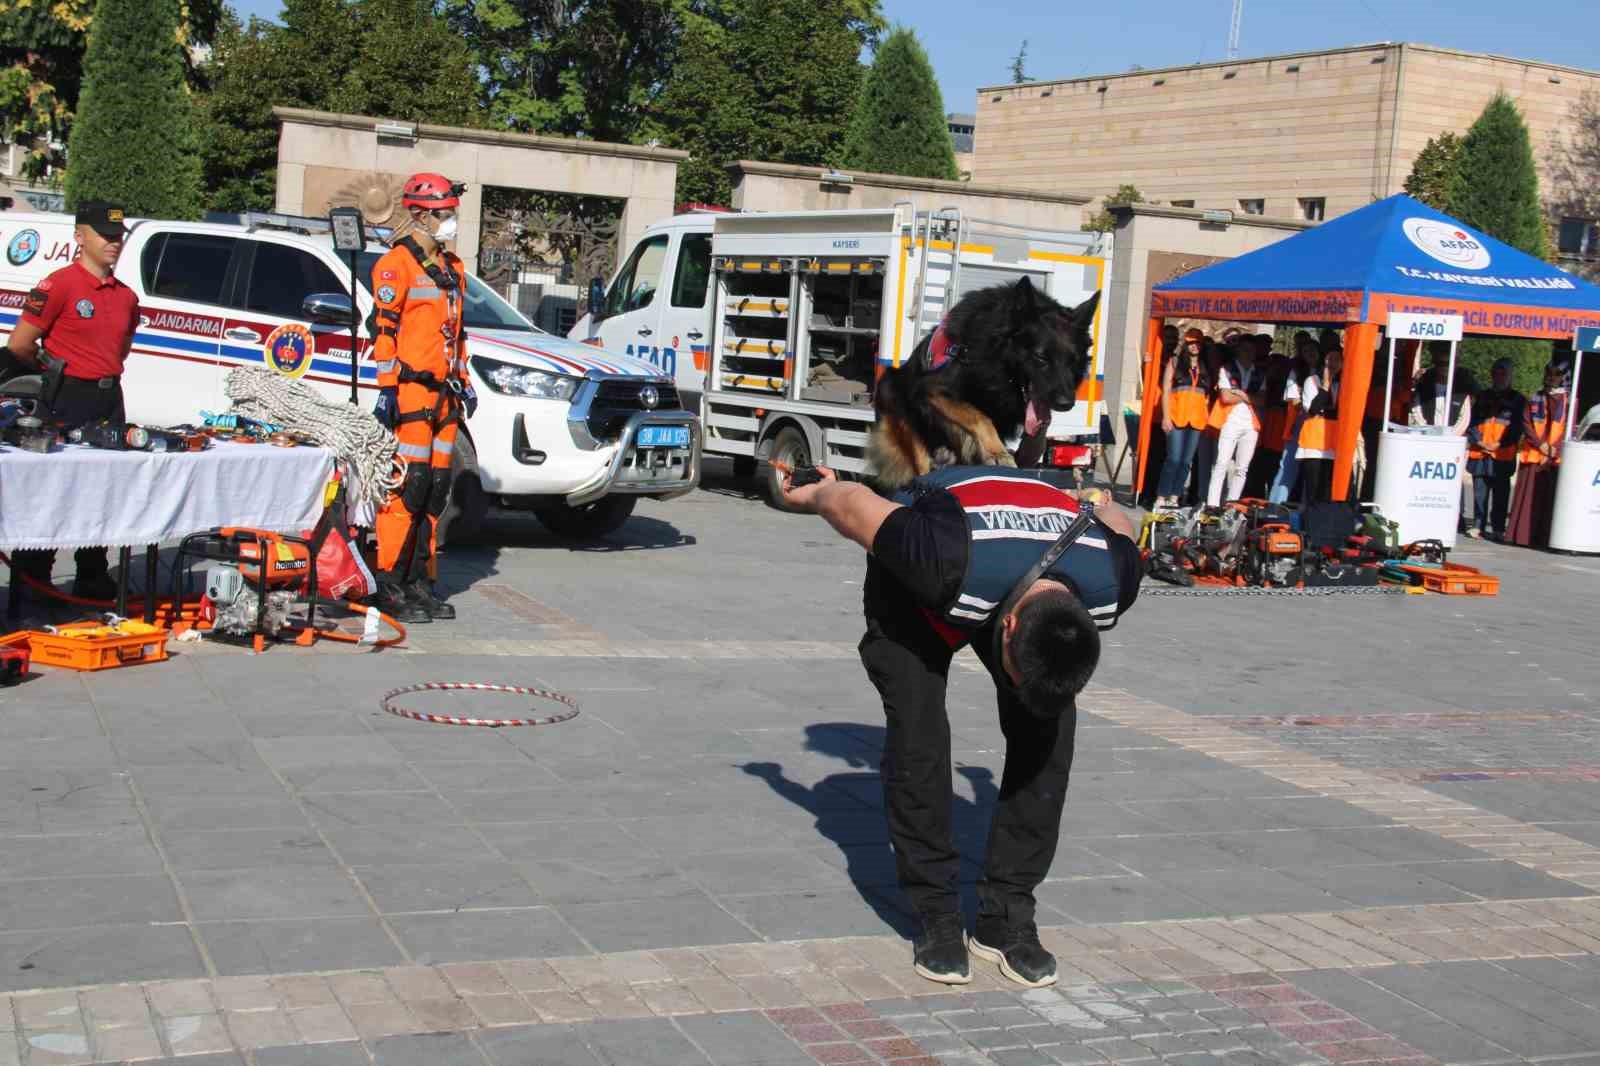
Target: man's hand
x,y
803,497
387,409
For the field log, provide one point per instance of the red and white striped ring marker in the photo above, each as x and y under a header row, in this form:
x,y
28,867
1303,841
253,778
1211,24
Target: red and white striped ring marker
x,y
480,686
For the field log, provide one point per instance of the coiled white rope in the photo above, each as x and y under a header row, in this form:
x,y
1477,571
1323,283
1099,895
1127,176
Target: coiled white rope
x,y
349,431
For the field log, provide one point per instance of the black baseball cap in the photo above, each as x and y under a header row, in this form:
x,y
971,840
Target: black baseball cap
x,y
105,219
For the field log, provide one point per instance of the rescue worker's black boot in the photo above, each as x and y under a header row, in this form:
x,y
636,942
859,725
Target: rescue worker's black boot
x,y
93,581
396,601
422,592
1015,947
940,953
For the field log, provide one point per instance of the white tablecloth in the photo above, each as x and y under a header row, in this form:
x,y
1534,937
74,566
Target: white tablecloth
x,y
78,496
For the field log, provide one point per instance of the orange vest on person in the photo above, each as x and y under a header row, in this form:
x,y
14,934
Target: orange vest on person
x,y
1545,421
1319,432
1187,400
417,314
1220,411
1399,408
1492,431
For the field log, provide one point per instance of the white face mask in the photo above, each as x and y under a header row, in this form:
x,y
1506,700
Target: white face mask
x,y
446,230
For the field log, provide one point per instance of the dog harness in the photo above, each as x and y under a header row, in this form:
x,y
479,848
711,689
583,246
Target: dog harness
x,y
941,350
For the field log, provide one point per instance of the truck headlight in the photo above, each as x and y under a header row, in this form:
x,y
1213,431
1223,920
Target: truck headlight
x,y
512,380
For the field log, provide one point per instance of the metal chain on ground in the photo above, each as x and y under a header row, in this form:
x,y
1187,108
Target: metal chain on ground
x,y
349,431
1320,590
479,686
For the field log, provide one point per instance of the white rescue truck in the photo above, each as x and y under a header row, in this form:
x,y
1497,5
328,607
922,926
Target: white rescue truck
x,y
777,324
572,432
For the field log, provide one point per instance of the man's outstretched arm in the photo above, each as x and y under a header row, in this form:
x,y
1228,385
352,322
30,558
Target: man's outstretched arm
x,y
848,506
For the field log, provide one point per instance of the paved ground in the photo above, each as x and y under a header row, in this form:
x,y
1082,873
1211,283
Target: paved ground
x,y
1354,829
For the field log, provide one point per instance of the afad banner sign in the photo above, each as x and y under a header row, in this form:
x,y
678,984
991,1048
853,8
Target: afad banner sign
x,y
1505,320
1287,306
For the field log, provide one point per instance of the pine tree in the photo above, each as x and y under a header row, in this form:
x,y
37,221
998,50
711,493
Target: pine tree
x,y
1434,169
1495,189
773,80
133,141
899,126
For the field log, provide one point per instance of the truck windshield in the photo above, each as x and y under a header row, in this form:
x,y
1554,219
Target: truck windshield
x,y
485,308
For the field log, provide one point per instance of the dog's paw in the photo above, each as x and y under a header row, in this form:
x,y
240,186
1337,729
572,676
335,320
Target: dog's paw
x,y
942,457
1002,459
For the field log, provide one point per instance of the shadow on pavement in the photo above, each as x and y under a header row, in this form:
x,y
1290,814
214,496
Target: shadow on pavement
x,y
869,860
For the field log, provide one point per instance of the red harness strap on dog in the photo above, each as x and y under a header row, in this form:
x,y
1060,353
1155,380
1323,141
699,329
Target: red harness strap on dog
x,y
941,350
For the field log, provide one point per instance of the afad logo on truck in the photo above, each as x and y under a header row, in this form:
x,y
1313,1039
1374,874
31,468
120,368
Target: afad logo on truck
x,y
289,349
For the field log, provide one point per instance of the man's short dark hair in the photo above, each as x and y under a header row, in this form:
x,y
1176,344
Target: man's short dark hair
x,y
1055,647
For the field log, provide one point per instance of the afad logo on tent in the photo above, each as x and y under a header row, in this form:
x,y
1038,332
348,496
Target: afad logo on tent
x,y
1446,243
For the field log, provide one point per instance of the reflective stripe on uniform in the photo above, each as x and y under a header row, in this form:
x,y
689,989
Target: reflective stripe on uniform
x,y
423,292
386,366
443,447
418,452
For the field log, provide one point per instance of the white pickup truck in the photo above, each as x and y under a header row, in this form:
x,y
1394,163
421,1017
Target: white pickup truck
x,y
569,431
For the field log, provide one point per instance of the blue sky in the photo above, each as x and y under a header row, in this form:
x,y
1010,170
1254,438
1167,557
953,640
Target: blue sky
x,y
971,43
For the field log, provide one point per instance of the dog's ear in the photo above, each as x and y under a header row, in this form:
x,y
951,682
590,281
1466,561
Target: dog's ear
x,y
1024,297
1083,314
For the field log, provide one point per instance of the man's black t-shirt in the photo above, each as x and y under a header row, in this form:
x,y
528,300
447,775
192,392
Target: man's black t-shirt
x,y
919,558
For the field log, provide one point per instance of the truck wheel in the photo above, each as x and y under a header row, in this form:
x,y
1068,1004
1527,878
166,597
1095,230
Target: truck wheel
x,y
788,447
468,506
589,521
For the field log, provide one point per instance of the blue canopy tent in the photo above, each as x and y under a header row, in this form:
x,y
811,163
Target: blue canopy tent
x,y
1396,255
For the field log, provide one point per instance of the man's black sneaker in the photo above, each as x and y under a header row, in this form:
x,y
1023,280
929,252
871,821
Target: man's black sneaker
x,y
940,953
1016,948
421,592
396,602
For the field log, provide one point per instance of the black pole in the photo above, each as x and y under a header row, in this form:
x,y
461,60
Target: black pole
x,y
355,372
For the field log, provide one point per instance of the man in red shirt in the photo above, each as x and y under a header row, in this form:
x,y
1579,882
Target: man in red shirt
x,y
84,316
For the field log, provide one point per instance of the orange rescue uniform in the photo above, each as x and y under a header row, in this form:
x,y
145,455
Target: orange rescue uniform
x,y
1188,398
419,347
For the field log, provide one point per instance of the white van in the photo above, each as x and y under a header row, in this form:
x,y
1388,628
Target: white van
x,y
570,431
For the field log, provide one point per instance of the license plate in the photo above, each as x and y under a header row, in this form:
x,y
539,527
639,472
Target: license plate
x,y
662,437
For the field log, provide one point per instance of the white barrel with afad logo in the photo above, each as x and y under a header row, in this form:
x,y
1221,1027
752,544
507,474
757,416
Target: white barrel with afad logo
x,y
1419,484
1575,521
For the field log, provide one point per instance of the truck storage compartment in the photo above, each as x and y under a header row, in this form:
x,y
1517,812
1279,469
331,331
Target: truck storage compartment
x,y
846,308
756,303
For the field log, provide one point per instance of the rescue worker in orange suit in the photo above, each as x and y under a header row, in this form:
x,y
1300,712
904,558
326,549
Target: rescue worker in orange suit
x,y
1497,416
424,393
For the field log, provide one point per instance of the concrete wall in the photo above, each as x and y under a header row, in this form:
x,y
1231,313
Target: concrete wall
x,y
326,159
1152,245
781,187
1341,125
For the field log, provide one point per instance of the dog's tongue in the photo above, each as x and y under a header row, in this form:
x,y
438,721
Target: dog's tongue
x,y
1037,416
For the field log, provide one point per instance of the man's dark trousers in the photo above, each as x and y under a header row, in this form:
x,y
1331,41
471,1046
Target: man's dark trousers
x,y
908,663
78,402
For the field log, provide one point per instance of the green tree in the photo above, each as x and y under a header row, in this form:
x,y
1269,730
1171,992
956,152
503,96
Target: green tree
x,y
41,60
1102,220
1434,170
597,70
1019,64
1495,189
770,79
133,141
898,126
393,58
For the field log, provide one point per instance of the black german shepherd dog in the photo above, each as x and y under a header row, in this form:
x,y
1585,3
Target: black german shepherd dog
x,y
1001,361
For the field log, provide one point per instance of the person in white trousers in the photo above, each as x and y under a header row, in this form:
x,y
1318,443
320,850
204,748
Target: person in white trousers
x,y
1236,442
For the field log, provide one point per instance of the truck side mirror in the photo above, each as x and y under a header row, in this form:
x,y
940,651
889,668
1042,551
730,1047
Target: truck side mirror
x,y
597,299
332,308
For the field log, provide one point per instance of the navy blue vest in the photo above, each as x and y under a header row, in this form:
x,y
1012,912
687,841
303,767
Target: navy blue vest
x,y
1012,519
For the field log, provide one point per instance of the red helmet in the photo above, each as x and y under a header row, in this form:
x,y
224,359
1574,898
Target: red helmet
x,y
429,191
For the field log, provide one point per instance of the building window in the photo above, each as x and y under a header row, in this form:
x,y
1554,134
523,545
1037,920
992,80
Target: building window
x,y
1183,203
1313,209
1253,207
1579,237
